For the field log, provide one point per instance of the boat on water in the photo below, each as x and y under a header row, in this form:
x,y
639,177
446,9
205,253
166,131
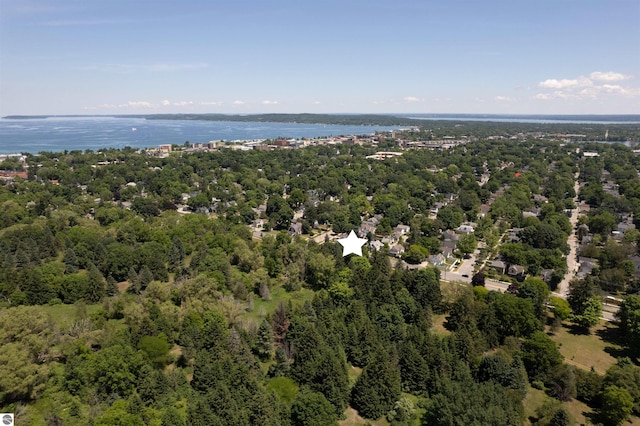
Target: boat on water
x,y
133,129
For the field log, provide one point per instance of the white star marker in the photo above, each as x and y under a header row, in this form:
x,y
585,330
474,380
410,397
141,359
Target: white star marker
x,y
352,244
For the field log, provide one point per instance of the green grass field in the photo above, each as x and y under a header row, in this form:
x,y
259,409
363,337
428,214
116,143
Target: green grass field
x,y
263,308
587,350
438,324
64,315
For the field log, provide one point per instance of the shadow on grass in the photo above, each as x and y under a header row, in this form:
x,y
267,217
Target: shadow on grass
x,y
593,417
577,330
611,334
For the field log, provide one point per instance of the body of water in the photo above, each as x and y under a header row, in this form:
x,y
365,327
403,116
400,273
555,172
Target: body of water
x,y
533,119
81,133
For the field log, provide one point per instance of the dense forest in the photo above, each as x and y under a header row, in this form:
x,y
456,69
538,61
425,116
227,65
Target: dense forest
x,y
137,290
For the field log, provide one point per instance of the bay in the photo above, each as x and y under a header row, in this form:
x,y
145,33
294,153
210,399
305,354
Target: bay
x,y
532,119
82,133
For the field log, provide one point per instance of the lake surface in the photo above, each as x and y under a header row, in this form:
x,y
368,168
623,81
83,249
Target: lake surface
x,y
81,133
533,119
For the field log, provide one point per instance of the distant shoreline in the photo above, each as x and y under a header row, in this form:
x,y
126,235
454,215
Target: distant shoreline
x,y
365,119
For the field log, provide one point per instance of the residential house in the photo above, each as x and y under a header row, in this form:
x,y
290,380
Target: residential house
x,y
396,250
513,235
625,226
401,230
531,212
516,271
258,223
465,229
436,208
437,260
540,199
365,228
498,265
546,275
450,236
376,245
390,240
447,248
587,264
295,228
260,210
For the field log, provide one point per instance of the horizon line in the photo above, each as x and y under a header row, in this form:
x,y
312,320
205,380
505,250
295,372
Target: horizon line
x,y
404,114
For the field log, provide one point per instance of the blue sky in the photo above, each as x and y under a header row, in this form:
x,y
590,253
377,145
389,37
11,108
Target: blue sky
x,y
373,56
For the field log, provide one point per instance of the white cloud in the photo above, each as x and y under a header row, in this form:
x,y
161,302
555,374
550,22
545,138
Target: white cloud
x,y
558,84
238,102
166,102
502,98
317,102
412,99
542,96
210,103
608,76
183,103
137,104
591,87
269,102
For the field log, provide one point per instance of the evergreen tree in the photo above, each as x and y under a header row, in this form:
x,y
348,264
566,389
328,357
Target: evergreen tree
x,y
561,418
144,277
312,409
264,340
176,254
425,288
70,261
96,285
378,387
112,286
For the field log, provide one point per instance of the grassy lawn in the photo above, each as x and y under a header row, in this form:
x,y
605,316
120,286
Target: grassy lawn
x,y
438,324
65,315
586,351
262,308
536,398
354,419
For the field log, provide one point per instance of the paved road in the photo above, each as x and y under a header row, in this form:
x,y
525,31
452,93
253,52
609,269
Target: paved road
x,y
572,263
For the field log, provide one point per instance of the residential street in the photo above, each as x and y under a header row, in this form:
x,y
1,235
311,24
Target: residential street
x,y
572,262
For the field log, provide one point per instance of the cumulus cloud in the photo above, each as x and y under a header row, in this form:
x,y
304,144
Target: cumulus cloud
x,y
183,103
502,98
210,103
269,102
558,84
593,87
166,102
238,102
608,76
